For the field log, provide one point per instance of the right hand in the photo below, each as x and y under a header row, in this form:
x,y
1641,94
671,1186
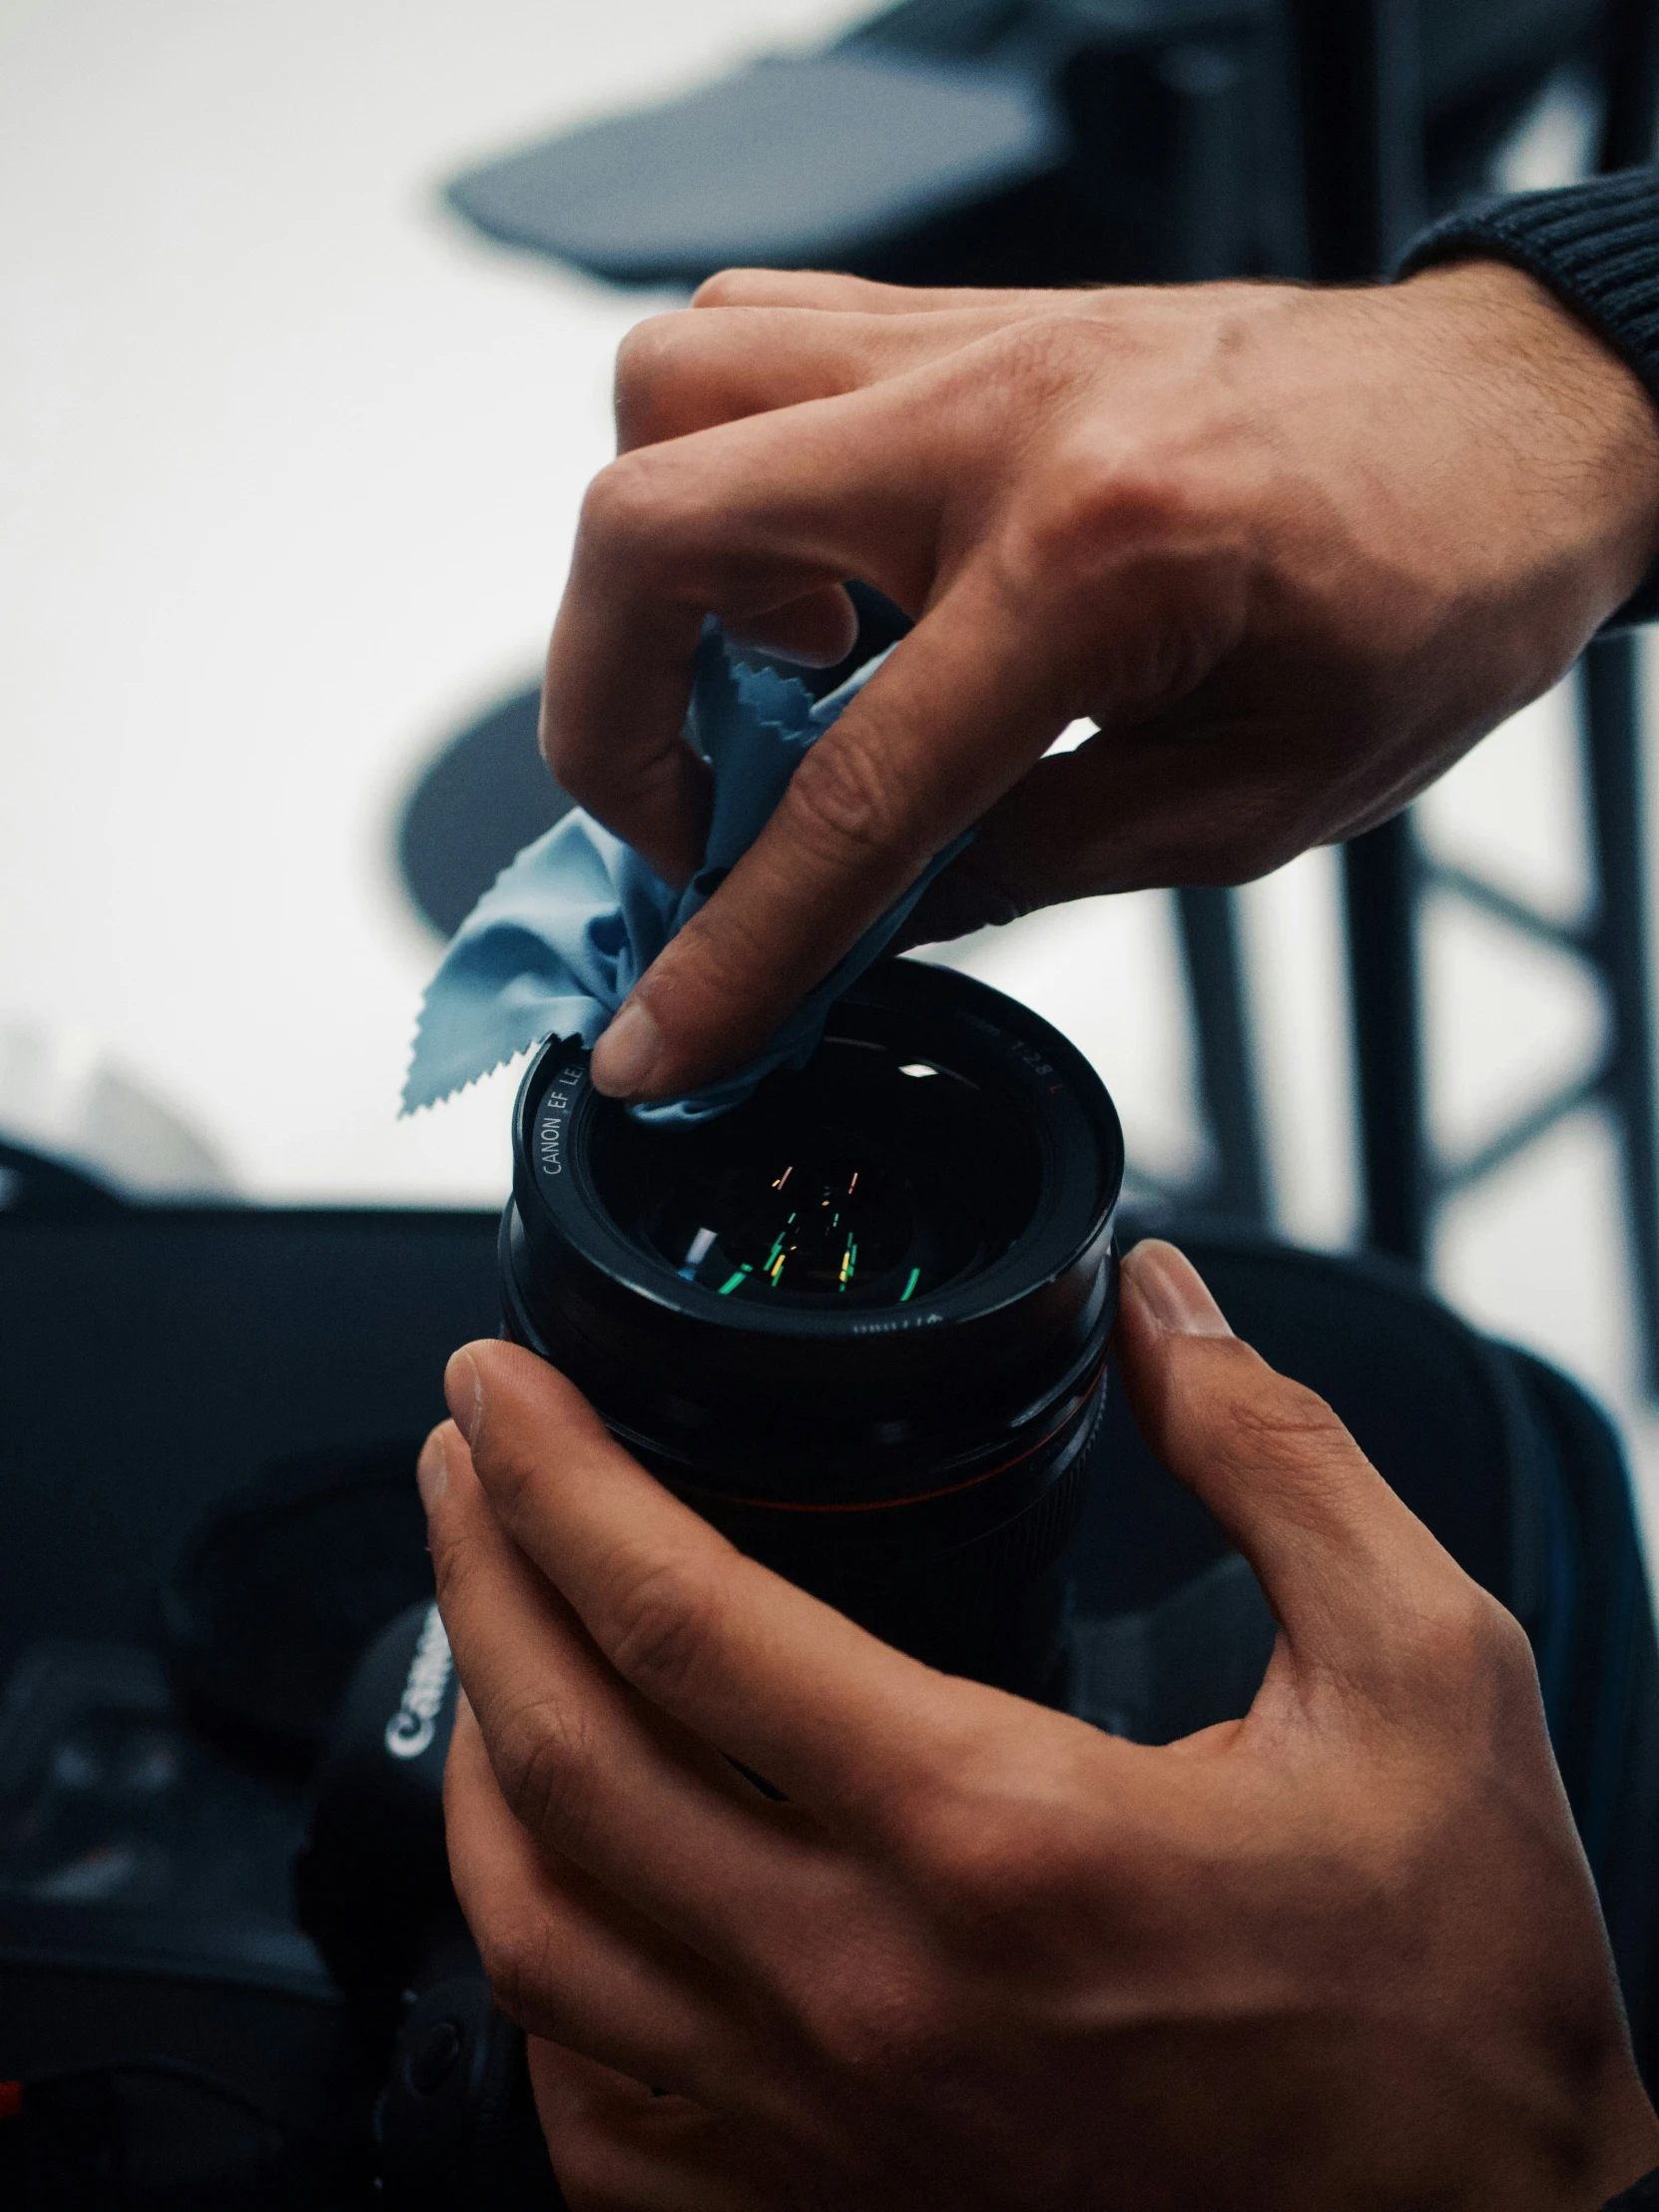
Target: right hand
x,y
1292,550
1342,1954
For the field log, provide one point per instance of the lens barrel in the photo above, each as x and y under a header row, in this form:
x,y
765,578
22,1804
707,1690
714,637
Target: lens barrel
x,y
858,1323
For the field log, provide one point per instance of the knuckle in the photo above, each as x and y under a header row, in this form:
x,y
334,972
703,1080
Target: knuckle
x,y
1096,504
1465,1636
1294,1418
870,2022
514,1958
1011,1850
1271,1416
542,1763
844,804
1260,1425
1504,1644
662,1623
571,757
622,506
1100,504
1267,1416
1041,358
967,1838
731,288
994,1873
510,1465
647,375
454,1546
712,968
1131,533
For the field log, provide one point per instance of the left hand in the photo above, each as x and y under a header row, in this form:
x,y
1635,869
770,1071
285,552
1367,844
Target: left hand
x,y
1344,1952
1292,550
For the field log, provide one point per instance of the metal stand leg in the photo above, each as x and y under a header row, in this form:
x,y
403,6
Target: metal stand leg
x,y
1360,98
1226,1068
1380,883
1202,85
1362,149
1362,142
1610,696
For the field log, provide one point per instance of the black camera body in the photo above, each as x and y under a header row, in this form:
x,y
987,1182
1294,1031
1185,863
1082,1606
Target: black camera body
x,y
453,2125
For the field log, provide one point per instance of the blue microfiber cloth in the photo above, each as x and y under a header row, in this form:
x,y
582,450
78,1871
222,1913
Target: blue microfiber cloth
x,y
569,927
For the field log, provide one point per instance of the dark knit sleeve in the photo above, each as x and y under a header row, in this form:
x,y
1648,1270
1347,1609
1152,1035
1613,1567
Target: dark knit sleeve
x,y
1642,2198
1596,245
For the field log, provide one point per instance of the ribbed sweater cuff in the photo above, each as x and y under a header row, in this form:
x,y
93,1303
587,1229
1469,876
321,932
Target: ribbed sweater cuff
x,y
1596,245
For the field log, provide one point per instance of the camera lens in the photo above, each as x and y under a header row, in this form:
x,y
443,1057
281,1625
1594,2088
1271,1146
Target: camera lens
x,y
858,1322
866,1179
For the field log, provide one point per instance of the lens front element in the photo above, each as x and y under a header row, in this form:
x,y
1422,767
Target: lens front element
x,y
864,1180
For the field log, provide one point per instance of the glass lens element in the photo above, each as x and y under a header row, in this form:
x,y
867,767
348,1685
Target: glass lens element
x,y
860,1180
820,1224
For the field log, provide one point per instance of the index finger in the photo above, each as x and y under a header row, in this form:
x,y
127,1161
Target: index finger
x,y
952,720
824,290
836,1720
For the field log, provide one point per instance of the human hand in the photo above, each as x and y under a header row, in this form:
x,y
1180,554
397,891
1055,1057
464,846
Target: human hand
x,y
1292,550
1343,1953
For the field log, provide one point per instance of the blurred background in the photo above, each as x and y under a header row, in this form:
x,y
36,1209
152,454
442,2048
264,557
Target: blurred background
x,y
290,454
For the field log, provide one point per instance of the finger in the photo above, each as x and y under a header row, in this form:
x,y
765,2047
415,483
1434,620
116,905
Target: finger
x,y
1128,811
837,1721
1344,1565
617,2147
739,521
1195,793
964,898
653,789
823,290
1190,796
949,720
681,372
567,1959
584,1765
817,631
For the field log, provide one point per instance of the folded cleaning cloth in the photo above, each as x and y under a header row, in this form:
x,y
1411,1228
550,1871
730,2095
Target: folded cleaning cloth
x,y
569,927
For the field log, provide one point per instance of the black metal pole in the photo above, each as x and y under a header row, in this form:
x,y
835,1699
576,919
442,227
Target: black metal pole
x,y
1610,717
1610,677
1360,103
1611,722
1204,84
1379,897
1210,945
1631,118
1361,109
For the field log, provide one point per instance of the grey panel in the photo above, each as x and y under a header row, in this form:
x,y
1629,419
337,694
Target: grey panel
x,y
778,165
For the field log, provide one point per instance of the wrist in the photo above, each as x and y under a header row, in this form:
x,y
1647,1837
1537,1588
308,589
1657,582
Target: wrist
x,y
1566,403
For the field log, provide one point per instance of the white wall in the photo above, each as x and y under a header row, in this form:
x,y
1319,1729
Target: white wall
x,y
289,464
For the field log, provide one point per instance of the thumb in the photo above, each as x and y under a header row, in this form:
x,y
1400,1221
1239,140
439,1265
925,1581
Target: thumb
x,y
1347,1569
